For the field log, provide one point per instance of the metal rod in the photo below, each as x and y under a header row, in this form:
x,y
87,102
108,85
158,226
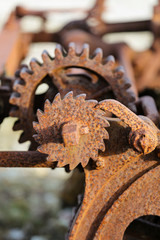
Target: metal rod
x,y
24,159
128,26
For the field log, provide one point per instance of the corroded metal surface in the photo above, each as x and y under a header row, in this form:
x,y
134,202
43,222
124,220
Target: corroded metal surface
x,y
131,205
121,166
121,183
54,73
106,187
71,130
24,159
143,135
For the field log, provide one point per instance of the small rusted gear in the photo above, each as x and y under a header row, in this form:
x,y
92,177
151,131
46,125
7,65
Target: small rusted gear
x,y
53,70
71,130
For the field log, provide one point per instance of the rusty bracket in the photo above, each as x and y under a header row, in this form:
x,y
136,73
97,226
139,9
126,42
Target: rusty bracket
x,y
144,133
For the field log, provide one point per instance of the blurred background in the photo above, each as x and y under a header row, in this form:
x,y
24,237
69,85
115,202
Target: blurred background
x,y
33,202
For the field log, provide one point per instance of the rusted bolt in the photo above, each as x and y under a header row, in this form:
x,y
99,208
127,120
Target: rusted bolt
x,y
70,134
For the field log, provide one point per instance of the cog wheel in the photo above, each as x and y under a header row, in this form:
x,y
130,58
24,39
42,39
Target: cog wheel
x,y
71,130
53,71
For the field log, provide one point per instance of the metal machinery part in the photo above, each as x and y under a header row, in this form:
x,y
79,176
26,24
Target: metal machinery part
x,y
72,130
104,78
75,130
121,183
138,65
16,42
112,198
87,30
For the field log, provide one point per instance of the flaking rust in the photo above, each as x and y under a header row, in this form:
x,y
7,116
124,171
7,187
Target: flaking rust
x,y
126,188
143,135
120,156
71,130
130,168
96,78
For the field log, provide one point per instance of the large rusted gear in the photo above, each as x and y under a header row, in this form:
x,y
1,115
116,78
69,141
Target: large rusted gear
x,y
126,188
53,72
71,130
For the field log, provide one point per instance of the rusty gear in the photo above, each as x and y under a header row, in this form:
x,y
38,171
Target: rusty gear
x,y
71,130
52,71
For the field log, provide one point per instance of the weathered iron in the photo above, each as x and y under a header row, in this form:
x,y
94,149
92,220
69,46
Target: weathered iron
x,y
55,73
126,188
121,183
121,174
71,131
143,135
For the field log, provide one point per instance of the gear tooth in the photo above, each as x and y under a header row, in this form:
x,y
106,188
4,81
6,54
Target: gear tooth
x,y
103,122
37,138
101,146
60,164
57,98
17,87
17,73
14,99
119,72
105,134
72,49
126,84
81,97
17,126
100,113
69,96
84,164
43,149
92,103
110,61
130,96
14,113
23,138
85,52
94,154
59,52
98,55
35,65
25,73
47,105
50,159
46,57
39,115
36,126
62,161
73,164
18,81
84,161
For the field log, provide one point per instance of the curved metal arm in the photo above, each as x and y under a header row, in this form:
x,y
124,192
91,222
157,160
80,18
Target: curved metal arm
x,y
143,135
